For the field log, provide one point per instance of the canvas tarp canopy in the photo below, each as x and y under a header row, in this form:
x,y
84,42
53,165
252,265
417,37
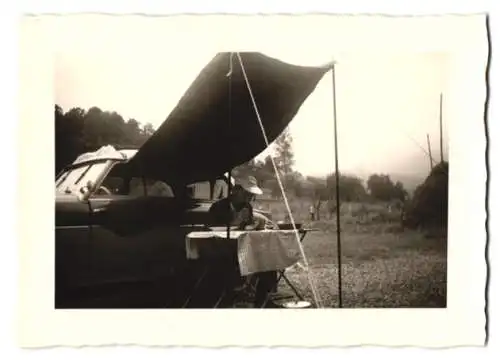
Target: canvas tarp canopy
x,y
214,126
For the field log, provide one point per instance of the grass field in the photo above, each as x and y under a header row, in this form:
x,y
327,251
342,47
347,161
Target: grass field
x,y
383,265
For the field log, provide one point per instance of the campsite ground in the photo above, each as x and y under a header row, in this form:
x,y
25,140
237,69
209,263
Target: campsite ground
x,y
383,264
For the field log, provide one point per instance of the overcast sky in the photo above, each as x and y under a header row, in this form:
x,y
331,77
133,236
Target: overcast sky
x,y
387,101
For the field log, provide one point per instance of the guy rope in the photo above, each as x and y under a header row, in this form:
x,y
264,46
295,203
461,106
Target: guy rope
x,y
304,258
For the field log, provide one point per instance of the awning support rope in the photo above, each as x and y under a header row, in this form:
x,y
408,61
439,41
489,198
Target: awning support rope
x,y
306,265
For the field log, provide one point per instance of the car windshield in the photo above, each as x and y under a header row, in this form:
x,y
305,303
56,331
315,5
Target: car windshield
x,y
72,180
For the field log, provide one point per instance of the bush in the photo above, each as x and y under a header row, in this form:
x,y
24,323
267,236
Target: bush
x,y
429,206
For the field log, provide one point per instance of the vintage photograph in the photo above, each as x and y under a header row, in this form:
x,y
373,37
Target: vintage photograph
x,y
188,177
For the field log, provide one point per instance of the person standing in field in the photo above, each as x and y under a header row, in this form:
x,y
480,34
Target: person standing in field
x,y
311,212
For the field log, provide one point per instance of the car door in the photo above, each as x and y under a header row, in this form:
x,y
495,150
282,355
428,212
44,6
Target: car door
x,y
118,223
71,250
73,229
138,232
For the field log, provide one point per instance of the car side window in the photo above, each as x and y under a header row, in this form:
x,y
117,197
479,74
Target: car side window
x,y
119,182
136,187
158,188
220,189
118,185
202,190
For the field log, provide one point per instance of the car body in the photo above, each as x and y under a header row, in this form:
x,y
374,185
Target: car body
x,y
122,215
128,228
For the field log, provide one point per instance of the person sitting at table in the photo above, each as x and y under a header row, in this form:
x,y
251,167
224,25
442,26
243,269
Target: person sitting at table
x,y
237,211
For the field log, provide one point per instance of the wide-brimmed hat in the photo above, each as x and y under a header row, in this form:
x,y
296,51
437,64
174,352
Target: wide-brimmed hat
x,y
250,185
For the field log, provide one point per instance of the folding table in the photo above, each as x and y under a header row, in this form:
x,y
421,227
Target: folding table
x,y
258,251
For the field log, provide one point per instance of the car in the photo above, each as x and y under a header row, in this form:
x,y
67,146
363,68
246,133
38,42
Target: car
x,y
129,227
122,215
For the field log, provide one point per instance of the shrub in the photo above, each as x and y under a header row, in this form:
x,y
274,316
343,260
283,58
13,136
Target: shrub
x,y
429,206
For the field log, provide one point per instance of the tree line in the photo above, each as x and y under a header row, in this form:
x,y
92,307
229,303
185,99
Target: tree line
x,y
78,130
318,190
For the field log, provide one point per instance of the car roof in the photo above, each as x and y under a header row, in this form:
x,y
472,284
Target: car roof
x,y
107,152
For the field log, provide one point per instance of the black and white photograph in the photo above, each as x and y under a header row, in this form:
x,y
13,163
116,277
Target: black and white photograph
x,y
291,172
269,183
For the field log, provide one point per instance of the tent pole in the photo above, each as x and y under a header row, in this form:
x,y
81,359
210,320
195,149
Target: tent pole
x,y
337,181
228,148
441,125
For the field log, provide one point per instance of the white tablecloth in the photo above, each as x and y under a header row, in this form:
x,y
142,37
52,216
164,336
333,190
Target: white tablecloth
x,y
258,251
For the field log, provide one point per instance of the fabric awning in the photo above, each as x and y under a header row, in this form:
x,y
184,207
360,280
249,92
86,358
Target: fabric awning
x,y
214,128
